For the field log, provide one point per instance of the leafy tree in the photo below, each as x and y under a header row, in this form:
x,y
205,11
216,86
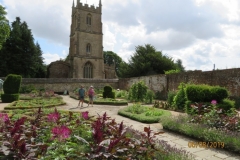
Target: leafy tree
x,y
4,26
112,58
148,61
20,55
179,65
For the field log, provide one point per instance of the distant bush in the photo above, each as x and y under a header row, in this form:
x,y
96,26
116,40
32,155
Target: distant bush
x,y
171,95
137,92
11,87
149,96
108,93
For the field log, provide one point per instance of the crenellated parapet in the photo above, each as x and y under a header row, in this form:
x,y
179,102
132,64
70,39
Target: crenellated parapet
x,y
86,7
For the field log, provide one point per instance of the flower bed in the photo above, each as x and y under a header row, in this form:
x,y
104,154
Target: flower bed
x,y
103,101
51,134
36,103
143,114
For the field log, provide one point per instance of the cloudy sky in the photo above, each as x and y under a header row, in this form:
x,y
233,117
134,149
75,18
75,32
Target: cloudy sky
x,y
199,32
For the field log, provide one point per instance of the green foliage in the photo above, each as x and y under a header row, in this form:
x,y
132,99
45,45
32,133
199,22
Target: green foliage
x,y
8,98
137,92
121,94
20,55
26,88
143,114
147,61
226,104
5,28
181,124
112,58
179,65
180,98
172,71
108,93
171,95
149,96
205,93
12,84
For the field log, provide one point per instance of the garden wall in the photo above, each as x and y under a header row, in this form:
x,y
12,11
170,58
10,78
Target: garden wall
x,y
154,82
228,78
69,84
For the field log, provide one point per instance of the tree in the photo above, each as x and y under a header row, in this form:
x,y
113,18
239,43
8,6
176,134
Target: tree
x,y
20,55
4,26
179,65
147,61
112,58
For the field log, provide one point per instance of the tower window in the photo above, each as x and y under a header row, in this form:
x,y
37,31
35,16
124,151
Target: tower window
x,y
89,19
88,48
88,70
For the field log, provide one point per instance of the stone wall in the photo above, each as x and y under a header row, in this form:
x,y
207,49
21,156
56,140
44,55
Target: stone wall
x,y
228,78
154,82
69,84
59,69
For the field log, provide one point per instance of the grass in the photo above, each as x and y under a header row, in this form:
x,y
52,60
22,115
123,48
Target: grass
x,y
143,114
36,103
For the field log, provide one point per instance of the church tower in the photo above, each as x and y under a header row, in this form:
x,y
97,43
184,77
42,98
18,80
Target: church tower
x,y
86,42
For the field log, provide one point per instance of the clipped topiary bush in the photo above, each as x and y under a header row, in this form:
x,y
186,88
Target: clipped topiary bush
x,y
8,98
12,84
180,99
11,87
108,93
218,93
205,93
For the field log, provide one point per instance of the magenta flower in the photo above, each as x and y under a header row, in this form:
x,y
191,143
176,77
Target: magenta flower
x,y
85,115
54,117
214,102
61,133
4,118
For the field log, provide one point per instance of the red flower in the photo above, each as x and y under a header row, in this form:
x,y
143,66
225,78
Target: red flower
x,y
214,102
54,117
61,133
85,115
4,118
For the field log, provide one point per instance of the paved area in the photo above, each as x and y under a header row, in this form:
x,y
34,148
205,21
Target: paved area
x,y
173,139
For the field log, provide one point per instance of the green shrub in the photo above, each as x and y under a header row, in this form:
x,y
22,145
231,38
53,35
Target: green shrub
x,y
26,89
180,99
171,95
12,84
226,104
149,96
137,92
205,93
8,98
108,93
218,93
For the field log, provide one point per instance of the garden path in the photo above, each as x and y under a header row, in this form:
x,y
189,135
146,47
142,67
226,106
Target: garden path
x,y
172,139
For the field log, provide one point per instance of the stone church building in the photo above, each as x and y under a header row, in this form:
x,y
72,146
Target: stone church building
x,y
85,59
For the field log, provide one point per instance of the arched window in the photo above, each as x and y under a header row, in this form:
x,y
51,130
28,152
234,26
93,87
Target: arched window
x,y
88,48
89,19
88,70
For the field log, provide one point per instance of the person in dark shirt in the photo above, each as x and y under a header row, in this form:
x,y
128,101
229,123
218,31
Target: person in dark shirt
x,y
81,93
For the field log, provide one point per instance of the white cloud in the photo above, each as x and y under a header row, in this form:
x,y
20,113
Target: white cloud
x,y
199,32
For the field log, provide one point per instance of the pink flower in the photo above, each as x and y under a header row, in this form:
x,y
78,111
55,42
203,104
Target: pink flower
x,y
61,133
53,117
85,115
4,118
214,102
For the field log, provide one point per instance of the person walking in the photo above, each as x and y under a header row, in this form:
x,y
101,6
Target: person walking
x,y
91,95
81,93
